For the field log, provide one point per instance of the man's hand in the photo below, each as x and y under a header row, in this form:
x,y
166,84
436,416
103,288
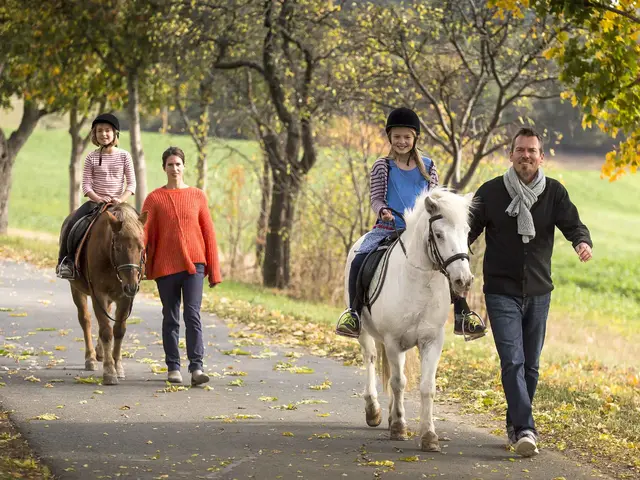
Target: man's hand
x,y
584,252
386,215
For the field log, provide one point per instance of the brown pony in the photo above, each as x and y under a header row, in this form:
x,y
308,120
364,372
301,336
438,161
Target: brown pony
x,y
111,265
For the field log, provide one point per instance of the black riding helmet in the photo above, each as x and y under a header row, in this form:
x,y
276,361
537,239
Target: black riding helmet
x,y
107,118
403,117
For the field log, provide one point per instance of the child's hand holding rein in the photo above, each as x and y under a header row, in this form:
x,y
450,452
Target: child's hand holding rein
x,y
386,215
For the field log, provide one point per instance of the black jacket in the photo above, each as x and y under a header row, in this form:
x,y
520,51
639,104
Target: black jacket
x,y
512,267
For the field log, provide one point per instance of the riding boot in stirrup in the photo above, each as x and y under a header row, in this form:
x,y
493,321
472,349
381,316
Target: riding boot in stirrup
x,y
349,324
66,269
470,325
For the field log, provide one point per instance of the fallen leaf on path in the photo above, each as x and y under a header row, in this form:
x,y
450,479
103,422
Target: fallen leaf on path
x,y
236,383
287,434
60,348
409,459
235,351
268,399
31,378
323,386
87,380
46,416
46,329
22,314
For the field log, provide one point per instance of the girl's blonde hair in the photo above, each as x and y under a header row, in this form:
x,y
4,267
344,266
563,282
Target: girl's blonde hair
x,y
415,153
94,138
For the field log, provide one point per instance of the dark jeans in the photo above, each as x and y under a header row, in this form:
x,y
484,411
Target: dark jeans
x,y
83,210
356,263
519,326
170,288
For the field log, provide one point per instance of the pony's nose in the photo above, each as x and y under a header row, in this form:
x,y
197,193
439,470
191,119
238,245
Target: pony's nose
x,y
464,283
130,290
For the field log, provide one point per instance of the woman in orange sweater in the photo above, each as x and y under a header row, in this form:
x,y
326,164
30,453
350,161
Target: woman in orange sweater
x,y
181,252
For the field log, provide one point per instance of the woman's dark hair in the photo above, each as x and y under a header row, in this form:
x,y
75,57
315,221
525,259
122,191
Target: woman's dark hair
x,y
172,151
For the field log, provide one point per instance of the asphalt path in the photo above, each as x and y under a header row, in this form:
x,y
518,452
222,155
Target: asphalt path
x,y
256,419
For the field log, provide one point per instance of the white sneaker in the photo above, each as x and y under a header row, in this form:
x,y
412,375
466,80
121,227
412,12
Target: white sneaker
x,y
198,377
526,444
174,376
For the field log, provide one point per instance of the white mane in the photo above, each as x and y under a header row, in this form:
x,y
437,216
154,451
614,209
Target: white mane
x,y
452,206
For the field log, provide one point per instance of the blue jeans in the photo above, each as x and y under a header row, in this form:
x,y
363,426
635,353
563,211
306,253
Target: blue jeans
x,y
171,288
519,326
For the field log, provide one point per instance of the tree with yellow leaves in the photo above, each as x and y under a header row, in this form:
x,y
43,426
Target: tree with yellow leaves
x,y
600,63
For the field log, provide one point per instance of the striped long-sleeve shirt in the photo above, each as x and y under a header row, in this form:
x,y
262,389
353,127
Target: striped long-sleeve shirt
x,y
108,179
380,181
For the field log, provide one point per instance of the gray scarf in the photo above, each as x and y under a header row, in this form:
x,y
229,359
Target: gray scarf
x,y
522,198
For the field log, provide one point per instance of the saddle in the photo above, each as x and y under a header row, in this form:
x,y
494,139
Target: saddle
x,y
79,232
370,277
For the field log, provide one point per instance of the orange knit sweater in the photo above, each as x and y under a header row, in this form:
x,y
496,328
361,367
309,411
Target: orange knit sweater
x,y
179,233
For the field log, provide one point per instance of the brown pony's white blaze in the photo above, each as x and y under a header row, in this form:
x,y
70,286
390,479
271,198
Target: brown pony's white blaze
x,y
111,267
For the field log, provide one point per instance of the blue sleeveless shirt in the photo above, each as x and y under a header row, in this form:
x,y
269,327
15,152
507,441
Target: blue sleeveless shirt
x,y
402,189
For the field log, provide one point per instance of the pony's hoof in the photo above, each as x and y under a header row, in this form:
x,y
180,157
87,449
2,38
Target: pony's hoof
x,y
109,380
91,365
374,417
429,442
398,432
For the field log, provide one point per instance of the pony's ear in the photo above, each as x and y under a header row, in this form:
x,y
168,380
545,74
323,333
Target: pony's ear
x,y
431,205
143,217
116,225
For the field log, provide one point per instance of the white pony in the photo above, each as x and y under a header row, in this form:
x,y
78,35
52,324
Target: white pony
x,y
412,306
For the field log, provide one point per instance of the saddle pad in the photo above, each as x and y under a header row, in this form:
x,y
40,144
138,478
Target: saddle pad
x,y
370,277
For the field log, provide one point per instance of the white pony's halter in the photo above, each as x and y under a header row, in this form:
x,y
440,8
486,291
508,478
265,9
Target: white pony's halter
x,y
440,262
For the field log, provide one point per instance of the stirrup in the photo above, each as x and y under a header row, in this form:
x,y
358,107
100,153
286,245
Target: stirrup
x,y
467,335
70,267
348,324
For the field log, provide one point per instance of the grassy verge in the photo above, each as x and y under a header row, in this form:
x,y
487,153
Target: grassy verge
x,y
586,407
16,459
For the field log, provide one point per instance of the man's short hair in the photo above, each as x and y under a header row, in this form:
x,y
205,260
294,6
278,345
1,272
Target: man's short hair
x,y
527,132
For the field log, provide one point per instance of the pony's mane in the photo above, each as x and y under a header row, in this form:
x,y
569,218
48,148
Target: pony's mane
x,y
452,206
128,215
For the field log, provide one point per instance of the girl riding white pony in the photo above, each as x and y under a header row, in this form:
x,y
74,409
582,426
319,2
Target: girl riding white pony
x,y
412,305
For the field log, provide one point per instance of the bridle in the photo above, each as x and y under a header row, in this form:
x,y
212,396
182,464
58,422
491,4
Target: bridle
x,y
127,266
440,262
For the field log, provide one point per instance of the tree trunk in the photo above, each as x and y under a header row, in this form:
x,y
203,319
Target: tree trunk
x,y
78,146
165,120
137,153
276,271
9,149
202,133
265,194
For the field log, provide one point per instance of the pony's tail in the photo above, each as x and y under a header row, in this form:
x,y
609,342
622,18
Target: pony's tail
x,y
383,366
411,367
